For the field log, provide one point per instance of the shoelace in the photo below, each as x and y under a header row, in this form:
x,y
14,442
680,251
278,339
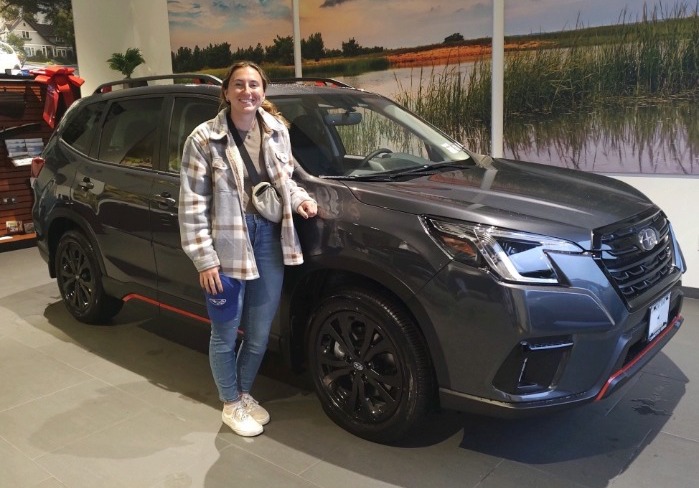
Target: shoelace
x,y
249,401
238,412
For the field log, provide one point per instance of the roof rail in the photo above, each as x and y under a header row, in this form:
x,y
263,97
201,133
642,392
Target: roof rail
x,y
197,78
313,81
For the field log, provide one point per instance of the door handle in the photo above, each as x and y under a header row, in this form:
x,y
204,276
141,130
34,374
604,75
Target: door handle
x,y
86,184
164,200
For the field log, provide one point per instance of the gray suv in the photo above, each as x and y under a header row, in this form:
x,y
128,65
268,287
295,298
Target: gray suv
x,y
433,276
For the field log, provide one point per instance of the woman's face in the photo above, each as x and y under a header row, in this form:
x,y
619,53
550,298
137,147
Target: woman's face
x,y
245,91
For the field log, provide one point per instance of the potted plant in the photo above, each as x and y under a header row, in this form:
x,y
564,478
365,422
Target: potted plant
x,y
126,62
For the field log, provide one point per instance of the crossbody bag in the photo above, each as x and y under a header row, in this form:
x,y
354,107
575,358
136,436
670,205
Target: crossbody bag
x,y
264,196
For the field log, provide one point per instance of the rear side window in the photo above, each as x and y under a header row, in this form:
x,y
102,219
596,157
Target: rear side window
x,y
186,115
81,129
129,133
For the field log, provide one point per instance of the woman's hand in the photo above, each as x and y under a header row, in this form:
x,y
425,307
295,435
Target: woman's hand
x,y
307,209
210,281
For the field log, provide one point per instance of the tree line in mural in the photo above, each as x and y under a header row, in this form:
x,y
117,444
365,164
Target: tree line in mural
x,y
281,51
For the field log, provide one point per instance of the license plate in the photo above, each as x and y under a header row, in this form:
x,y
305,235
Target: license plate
x,y
659,316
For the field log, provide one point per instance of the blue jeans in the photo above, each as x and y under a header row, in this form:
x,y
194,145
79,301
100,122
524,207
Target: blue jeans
x,y
260,300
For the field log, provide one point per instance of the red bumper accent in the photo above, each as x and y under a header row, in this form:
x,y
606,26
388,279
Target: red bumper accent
x,y
671,327
135,296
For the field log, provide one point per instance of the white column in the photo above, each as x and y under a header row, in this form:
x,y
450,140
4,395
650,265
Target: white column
x,y
498,77
297,38
104,27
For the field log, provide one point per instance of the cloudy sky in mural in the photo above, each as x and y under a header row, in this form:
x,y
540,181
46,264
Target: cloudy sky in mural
x,y
385,23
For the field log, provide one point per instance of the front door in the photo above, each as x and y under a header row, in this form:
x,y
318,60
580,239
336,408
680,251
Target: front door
x,y
178,280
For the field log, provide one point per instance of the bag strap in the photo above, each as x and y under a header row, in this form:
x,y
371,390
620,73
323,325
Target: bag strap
x,y
252,172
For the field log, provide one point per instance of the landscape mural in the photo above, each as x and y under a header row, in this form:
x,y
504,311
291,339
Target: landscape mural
x,y
607,86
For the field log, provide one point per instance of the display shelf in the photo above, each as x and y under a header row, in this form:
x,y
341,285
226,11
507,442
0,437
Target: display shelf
x,y
17,241
21,119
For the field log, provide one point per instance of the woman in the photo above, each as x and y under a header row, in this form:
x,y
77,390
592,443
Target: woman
x,y
228,240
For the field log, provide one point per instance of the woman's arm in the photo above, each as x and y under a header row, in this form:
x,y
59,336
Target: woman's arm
x,y
194,210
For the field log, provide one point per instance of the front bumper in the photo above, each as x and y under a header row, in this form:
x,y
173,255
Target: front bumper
x,y
515,350
454,400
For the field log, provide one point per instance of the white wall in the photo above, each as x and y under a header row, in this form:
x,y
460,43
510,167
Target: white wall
x,y
679,198
104,27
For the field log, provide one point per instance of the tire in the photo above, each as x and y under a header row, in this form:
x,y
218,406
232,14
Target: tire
x,y
79,280
370,366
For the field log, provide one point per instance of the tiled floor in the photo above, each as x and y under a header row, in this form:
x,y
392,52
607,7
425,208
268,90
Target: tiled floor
x,y
133,405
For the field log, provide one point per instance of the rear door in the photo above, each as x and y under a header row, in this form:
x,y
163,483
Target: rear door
x,y
114,189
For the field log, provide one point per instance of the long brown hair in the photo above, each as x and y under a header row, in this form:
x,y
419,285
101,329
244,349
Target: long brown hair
x,y
266,104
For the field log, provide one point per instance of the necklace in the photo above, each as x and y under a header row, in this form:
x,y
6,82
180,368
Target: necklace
x,y
245,131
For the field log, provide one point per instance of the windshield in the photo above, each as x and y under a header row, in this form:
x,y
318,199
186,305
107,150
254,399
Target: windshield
x,y
360,134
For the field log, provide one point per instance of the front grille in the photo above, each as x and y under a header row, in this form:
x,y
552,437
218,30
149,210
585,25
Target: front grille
x,y
632,268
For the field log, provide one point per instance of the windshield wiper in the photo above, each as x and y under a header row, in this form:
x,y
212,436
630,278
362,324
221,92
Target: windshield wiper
x,y
366,177
396,173
430,168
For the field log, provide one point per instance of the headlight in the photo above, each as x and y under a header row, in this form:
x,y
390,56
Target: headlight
x,y
514,256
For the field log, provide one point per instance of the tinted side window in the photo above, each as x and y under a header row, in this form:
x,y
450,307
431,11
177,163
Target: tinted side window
x,y
129,133
187,113
311,141
81,129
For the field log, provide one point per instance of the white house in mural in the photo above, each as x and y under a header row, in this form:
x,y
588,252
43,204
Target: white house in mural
x,y
38,38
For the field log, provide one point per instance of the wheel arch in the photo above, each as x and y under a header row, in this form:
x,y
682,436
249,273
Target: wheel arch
x,y
61,223
311,287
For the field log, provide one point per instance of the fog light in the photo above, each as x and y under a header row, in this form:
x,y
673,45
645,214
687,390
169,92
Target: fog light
x,y
533,366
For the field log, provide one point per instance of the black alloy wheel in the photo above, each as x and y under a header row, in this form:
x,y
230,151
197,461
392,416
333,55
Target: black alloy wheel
x,y
79,280
370,365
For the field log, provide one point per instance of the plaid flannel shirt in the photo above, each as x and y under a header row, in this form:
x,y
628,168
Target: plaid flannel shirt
x,y
211,216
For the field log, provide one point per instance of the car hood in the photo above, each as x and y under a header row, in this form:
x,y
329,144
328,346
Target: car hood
x,y
516,195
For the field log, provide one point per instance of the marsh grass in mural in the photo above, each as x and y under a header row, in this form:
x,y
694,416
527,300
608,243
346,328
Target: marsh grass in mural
x,y
627,69
655,58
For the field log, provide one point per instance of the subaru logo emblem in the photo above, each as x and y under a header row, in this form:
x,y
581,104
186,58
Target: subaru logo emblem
x,y
647,238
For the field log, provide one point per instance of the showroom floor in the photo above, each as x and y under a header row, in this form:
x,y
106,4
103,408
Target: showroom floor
x,y
133,405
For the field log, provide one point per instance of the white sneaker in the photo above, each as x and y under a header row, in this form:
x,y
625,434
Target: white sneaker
x,y
253,408
237,418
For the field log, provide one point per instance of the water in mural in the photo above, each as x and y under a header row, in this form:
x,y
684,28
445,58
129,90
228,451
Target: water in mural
x,y
644,137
